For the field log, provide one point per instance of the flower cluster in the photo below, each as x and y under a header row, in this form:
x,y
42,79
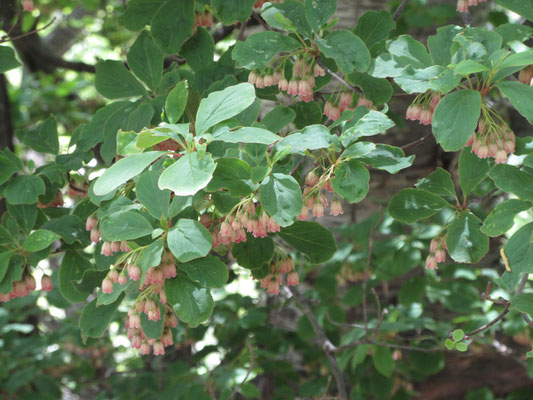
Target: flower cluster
x,y
343,101
25,286
462,5
204,19
437,253
301,84
136,334
493,139
315,200
526,75
273,280
234,227
423,107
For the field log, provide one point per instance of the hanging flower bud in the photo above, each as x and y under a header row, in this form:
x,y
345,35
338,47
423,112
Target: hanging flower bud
x,y
336,208
293,87
46,283
430,262
91,223
124,247
311,179
414,111
171,320
107,249
95,235
283,84
260,82
462,6
440,255
115,246
273,287
345,100
145,348
304,214
500,157
426,116
292,278
122,279
159,349
107,285
134,272
318,70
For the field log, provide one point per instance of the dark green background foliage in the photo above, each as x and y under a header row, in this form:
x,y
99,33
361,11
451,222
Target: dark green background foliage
x,y
91,102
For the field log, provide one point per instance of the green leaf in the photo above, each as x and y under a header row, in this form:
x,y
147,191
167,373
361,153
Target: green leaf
x,y
347,49
5,256
71,270
13,273
219,106
123,170
278,118
208,272
172,24
523,303
456,118
462,346
306,114
467,67
289,15
128,225
229,11
318,12
114,81
389,158
512,32
409,51
189,240
153,329
127,143
466,243
176,102
412,205
7,59
260,48
373,123
188,175
232,174
377,90
383,361
524,8
150,257
281,197
118,289
139,13
94,320
520,95
26,215
39,240
511,179
518,60
435,77
8,167
440,44
312,239
154,199
351,181
145,59
458,335
254,252
246,135
199,50
313,137
472,170
358,149
450,345
192,303
501,219
438,182
24,189
374,26
42,138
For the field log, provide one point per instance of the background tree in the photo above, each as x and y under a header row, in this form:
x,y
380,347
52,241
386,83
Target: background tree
x,y
160,157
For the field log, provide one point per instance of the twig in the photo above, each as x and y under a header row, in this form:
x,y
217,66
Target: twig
x,y
491,323
250,369
391,346
297,166
327,388
6,38
417,142
399,10
328,347
242,30
367,270
381,314
338,77
72,186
